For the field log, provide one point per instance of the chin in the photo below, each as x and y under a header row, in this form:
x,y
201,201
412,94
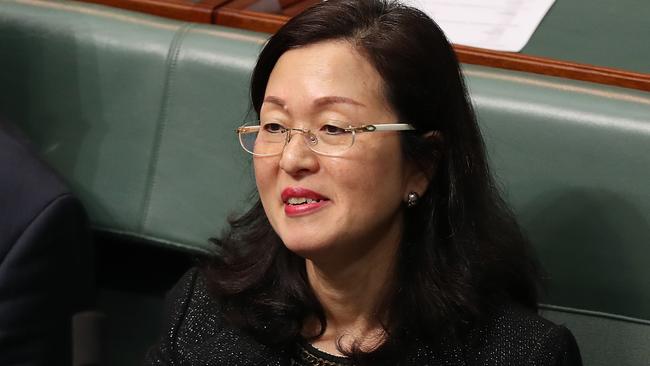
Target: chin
x,y
308,250
302,248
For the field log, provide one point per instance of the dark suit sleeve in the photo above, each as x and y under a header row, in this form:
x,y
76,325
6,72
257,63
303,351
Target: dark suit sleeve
x,y
44,279
46,270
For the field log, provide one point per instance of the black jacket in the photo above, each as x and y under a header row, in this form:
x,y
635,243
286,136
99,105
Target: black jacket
x,y
195,334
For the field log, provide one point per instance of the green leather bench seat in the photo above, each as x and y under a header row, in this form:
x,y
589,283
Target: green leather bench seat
x,y
130,109
574,161
138,113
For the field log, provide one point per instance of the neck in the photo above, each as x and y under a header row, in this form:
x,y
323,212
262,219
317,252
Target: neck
x,y
351,293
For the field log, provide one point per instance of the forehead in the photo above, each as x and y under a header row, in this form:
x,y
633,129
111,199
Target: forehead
x,y
330,68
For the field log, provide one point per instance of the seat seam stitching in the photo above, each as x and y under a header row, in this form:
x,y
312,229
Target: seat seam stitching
x,y
172,59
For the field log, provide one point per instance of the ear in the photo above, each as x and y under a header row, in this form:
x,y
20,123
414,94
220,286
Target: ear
x,y
419,176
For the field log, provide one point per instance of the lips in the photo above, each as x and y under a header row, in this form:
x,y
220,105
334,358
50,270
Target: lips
x,y
301,201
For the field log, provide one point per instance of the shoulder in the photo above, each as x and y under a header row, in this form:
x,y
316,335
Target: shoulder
x,y
196,332
511,336
188,305
514,335
28,187
21,166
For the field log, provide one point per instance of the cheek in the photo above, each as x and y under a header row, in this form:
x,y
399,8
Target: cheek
x,y
371,184
265,176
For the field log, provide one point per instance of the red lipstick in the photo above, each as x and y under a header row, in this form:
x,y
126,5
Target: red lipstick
x,y
302,201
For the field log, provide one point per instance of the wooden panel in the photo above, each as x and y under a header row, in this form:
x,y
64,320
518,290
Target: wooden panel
x,y
233,13
298,7
546,66
241,4
188,10
287,3
260,22
270,23
286,7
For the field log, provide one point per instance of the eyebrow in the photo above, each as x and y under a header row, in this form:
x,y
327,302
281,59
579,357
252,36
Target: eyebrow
x,y
274,100
319,102
323,101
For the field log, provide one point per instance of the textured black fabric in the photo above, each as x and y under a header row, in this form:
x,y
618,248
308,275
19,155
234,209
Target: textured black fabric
x,y
45,259
308,355
197,335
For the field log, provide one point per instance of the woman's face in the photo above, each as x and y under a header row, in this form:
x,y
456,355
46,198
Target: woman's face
x,y
360,193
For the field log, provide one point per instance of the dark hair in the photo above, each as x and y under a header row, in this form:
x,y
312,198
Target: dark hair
x,y
462,253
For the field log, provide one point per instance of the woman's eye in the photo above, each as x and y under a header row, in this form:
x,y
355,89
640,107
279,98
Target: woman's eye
x,y
333,130
273,127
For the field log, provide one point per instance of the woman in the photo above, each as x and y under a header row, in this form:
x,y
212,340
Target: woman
x,y
379,236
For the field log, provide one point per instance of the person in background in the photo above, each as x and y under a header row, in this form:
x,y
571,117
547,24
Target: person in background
x,y
46,261
379,236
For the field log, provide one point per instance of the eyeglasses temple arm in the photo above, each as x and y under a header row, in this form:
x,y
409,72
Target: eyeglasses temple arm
x,y
387,127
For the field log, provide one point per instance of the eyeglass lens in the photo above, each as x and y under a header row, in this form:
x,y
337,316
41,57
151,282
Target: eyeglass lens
x,y
328,140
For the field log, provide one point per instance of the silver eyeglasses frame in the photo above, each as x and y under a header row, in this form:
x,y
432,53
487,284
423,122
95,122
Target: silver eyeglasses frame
x,y
310,135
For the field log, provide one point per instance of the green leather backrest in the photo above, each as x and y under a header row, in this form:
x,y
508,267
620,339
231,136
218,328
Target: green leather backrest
x,y
574,161
138,114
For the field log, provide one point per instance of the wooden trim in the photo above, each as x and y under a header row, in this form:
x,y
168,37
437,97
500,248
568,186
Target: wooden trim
x,y
547,66
288,3
259,22
230,13
187,10
242,4
283,4
270,23
298,7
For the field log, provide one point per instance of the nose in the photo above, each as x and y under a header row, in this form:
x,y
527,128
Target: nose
x,y
297,159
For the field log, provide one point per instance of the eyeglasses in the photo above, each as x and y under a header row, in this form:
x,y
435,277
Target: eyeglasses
x,y
331,139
